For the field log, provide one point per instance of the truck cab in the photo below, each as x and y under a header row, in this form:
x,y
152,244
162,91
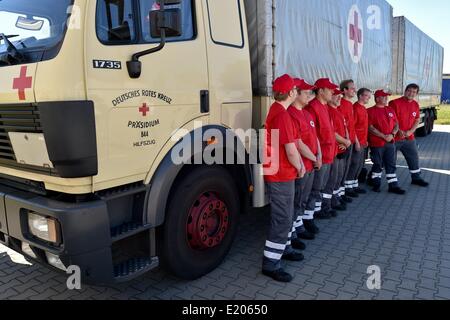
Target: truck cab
x,y
92,93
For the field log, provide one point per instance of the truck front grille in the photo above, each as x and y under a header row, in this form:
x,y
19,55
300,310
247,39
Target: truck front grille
x,y
18,118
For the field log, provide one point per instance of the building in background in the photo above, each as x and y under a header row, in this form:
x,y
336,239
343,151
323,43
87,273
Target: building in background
x,y
446,88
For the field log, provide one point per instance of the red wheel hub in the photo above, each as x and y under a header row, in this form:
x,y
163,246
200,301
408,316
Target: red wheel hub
x,y
207,222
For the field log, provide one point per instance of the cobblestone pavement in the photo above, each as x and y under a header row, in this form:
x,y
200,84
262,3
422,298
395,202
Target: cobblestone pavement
x,y
407,237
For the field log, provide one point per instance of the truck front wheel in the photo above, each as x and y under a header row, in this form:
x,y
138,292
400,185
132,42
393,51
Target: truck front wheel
x,y
201,223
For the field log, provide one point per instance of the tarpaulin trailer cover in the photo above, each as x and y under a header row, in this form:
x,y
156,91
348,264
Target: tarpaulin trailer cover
x,y
417,58
339,39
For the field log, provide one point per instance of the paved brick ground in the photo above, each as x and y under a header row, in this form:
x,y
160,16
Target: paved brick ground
x,y
407,237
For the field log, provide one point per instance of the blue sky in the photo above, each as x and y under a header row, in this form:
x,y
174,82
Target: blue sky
x,y
432,17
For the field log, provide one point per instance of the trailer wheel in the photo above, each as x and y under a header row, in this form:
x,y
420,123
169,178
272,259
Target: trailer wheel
x,y
201,223
423,131
431,120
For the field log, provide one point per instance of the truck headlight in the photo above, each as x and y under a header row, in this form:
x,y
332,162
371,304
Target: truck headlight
x,y
43,228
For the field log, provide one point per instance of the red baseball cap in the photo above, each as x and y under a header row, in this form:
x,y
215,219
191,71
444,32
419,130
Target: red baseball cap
x,y
325,83
283,84
303,85
337,92
382,93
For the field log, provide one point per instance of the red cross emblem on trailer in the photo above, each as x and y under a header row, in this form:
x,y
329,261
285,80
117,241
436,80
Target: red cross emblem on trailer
x,y
144,109
355,34
22,82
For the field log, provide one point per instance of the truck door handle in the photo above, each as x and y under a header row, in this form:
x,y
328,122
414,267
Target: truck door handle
x,y
204,101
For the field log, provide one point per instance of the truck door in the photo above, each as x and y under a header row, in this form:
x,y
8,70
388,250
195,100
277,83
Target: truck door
x,y
136,117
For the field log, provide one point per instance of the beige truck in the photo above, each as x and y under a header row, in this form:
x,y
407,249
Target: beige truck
x,y
91,95
97,96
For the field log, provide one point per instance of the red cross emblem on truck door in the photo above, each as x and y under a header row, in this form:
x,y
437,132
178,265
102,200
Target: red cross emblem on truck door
x,y
144,109
356,34
22,82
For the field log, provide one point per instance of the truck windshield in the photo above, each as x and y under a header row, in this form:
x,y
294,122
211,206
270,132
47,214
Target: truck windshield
x,y
34,29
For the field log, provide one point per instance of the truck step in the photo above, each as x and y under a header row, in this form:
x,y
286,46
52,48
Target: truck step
x,y
122,191
134,267
126,230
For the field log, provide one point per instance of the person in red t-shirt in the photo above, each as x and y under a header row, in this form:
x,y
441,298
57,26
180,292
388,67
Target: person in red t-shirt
x,y
325,132
282,166
362,131
346,108
383,127
309,147
331,193
408,113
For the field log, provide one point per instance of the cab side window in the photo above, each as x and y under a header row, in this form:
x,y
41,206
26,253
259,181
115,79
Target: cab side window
x,y
226,29
115,21
121,22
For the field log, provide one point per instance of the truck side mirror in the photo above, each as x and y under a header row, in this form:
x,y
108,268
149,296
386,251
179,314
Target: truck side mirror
x,y
169,19
163,23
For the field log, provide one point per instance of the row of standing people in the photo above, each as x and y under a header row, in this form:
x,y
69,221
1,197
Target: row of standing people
x,y
316,145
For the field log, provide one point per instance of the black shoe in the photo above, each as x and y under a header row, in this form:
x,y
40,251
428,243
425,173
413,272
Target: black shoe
x,y
397,190
360,191
351,194
311,227
293,256
306,235
420,183
297,244
278,275
347,199
363,176
340,207
376,189
332,213
322,215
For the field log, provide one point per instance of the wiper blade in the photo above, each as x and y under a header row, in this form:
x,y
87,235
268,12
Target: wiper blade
x,y
8,36
12,55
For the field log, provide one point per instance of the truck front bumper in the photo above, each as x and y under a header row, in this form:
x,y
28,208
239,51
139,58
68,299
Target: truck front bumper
x,y
84,227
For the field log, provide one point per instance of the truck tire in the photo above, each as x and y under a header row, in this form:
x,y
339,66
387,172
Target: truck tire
x,y
431,119
423,131
201,223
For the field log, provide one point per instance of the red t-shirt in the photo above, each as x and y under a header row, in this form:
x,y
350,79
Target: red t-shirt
x,y
384,120
407,113
307,128
277,167
339,124
361,123
346,108
325,130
